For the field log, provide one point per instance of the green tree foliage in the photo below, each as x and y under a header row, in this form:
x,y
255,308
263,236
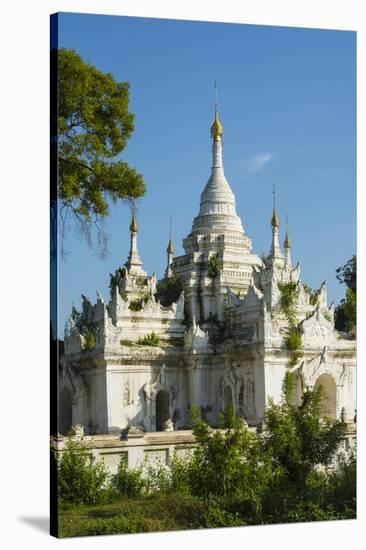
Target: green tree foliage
x,y
342,489
347,274
168,290
299,442
214,266
151,339
313,294
288,300
138,304
346,311
89,341
94,125
127,482
227,463
232,476
293,340
80,481
297,437
288,304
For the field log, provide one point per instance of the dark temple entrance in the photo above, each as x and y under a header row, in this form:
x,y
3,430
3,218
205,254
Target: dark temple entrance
x,y
162,409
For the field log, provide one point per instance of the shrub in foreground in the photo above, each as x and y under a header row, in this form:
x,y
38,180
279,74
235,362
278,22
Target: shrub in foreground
x,y
80,480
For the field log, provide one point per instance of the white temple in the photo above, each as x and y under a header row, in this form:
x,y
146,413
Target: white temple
x,y
133,365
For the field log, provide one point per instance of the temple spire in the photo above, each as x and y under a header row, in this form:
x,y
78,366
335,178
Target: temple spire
x,y
275,252
274,221
216,127
134,263
217,212
170,253
287,246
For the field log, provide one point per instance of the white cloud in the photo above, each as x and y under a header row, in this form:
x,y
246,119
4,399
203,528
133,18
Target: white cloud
x,y
257,162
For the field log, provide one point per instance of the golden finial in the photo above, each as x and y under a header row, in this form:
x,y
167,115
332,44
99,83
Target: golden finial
x,y
287,243
216,127
274,221
170,248
133,224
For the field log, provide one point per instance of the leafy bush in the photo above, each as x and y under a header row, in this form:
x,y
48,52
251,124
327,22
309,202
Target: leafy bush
x,y
343,488
80,481
138,304
180,471
346,311
313,294
168,290
127,482
157,477
288,300
172,479
327,315
217,515
151,339
298,442
214,266
89,341
232,476
293,340
125,342
225,462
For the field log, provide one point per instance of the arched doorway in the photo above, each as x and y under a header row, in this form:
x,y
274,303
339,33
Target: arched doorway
x,y
65,411
162,409
228,399
328,404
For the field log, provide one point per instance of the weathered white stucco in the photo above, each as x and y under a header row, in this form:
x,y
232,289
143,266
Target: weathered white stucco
x,y
221,342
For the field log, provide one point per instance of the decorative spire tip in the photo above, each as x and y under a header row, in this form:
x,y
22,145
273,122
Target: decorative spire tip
x,y
287,243
133,224
216,127
274,221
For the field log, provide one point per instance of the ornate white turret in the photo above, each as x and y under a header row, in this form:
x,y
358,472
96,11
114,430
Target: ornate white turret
x,y
217,212
287,247
217,252
275,255
170,254
134,263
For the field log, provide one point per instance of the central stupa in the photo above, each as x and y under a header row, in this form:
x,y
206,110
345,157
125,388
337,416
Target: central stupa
x,y
218,254
217,208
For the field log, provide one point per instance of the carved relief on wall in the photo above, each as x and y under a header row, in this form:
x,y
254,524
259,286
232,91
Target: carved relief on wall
x,y
71,379
178,307
253,296
246,400
112,334
271,326
195,338
237,388
151,306
312,369
229,388
127,396
317,328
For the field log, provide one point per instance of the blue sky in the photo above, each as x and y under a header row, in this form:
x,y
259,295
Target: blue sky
x,y
287,101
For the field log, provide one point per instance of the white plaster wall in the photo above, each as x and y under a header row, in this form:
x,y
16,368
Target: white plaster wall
x,y
260,393
98,400
274,377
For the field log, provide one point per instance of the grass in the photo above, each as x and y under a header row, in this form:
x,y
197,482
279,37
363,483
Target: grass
x,y
176,512
140,515
149,340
